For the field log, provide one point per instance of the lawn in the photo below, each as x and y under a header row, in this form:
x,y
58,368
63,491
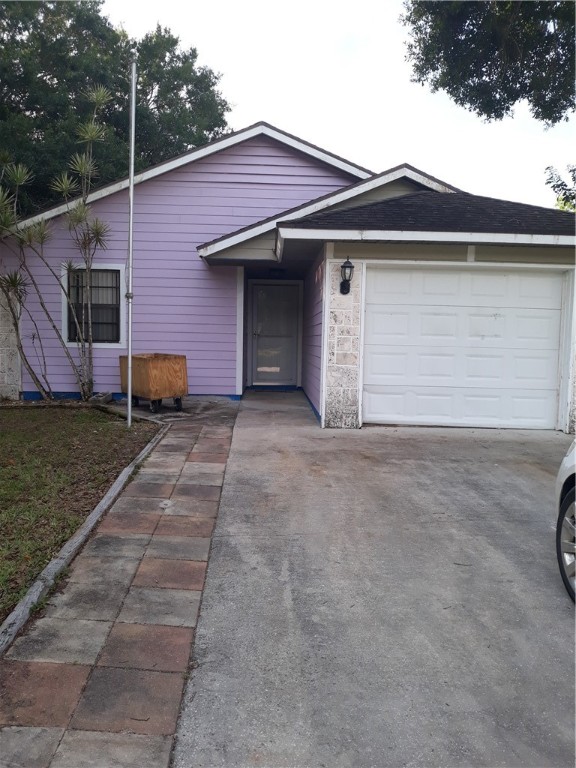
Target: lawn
x,y
56,463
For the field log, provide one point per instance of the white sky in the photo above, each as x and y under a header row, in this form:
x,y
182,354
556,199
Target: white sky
x,y
333,73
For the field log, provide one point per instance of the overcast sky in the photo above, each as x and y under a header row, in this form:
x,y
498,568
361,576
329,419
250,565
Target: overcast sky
x,y
334,73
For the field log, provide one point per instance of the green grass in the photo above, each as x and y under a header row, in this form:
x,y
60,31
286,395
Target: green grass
x,y
56,463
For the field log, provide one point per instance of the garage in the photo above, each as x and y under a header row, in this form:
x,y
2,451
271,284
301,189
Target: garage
x,y
458,346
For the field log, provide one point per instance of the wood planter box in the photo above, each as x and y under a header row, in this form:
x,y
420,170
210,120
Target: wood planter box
x,y
156,376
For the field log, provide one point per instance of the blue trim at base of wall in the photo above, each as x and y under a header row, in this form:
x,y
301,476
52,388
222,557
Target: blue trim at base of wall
x,y
35,396
274,388
311,404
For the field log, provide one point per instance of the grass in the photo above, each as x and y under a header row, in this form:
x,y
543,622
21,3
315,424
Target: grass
x,y
56,463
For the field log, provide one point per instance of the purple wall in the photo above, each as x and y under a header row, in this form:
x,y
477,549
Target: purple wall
x,y
312,332
181,305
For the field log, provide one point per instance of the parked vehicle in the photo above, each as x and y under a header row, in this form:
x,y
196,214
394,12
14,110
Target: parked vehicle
x,y
566,525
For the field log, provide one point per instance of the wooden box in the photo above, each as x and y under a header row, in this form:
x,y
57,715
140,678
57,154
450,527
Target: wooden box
x,y
155,376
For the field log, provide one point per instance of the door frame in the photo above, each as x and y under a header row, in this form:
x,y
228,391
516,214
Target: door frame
x,y
250,329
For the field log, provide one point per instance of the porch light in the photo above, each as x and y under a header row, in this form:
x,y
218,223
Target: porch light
x,y
346,272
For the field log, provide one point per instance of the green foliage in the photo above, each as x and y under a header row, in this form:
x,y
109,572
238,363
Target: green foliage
x,y
52,54
565,193
7,210
65,185
14,284
33,235
17,174
489,55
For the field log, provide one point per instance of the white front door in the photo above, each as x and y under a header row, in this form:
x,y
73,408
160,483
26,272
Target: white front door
x,y
461,347
275,333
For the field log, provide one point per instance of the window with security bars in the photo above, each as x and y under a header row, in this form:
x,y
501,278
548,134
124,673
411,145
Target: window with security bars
x,y
105,296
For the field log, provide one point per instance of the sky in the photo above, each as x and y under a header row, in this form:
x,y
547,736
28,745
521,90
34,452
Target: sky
x,y
334,73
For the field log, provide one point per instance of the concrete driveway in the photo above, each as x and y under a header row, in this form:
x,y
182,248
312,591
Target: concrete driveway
x,y
383,597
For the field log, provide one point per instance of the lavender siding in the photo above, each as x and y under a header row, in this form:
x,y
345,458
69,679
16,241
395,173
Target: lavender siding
x,y
181,305
312,332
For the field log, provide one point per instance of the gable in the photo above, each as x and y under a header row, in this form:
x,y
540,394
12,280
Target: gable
x,y
260,133
261,237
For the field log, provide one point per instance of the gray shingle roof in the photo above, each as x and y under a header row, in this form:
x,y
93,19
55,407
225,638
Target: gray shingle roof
x,y
442,212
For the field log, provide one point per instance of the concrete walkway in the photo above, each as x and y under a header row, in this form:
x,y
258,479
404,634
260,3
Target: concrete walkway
x,y
96,681
381,598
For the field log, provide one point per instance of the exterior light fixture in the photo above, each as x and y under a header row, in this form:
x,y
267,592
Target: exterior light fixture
x,y
346,272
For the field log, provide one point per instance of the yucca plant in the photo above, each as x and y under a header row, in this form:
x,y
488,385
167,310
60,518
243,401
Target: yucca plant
x,y
88,233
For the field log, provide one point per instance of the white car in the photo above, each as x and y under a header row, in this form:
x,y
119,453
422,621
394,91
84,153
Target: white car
x,y
566,525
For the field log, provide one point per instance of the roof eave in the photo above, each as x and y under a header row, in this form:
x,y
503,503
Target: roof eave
x,y
405,236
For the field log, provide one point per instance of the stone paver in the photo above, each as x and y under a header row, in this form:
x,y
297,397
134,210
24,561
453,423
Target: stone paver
x,y
129,522
211,446
147,646
108,545
157,475
100,601
28,747
170,574
92,749
179,547
61,640
97,680
185,490
172,607
39,693
180,525
131,504
191,508
117,700
91,569
147,490
209,458
199,478
202,468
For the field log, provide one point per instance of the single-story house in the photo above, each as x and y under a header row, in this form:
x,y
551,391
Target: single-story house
x,y
458,312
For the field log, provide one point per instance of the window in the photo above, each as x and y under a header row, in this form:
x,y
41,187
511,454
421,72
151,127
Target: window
x,y
105,295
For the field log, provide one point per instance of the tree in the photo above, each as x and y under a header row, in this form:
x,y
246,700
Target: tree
x,y
51,53
490,55
565,194
27,240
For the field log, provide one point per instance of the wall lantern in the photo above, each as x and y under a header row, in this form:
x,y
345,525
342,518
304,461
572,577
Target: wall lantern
x,y
346,272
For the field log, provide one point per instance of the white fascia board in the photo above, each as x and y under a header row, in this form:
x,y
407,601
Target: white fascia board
x,y
199,154
367,235
320,205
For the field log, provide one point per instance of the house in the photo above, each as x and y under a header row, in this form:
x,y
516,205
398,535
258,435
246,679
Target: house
x,y
459,310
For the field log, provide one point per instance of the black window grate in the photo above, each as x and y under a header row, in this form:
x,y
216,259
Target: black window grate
x,y
105,295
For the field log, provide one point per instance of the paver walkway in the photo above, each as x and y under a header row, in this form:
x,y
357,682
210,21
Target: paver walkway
x,y
97,680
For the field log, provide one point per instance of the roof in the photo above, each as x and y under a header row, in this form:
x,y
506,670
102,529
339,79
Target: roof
x,y
436,212
404,171
230,140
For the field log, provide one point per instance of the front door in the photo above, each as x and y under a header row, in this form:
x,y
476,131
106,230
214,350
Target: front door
x,y
275,333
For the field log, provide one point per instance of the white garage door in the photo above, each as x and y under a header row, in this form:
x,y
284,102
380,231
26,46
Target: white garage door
x,y
462,347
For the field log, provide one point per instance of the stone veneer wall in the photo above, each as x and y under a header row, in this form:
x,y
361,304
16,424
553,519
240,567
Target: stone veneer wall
x,y
343,363
9,358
